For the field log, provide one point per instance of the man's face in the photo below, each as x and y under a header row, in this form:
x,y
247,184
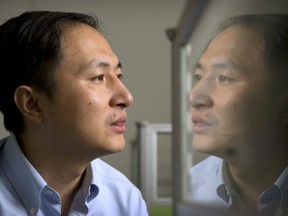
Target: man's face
x,y
87,113
235,107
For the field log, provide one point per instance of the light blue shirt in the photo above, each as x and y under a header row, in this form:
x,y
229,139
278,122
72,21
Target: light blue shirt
x,y
209,185
104,190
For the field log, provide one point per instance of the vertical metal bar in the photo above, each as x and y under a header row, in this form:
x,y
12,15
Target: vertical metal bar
x,y
180,37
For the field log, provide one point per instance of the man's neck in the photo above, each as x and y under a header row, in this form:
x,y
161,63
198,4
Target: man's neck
x,y
251,181
67,185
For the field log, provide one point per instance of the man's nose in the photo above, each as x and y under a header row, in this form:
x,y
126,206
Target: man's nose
x,y
122,97
200,95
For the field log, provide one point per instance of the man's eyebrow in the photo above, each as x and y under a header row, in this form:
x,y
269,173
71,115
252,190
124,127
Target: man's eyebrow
x,y
198,66
226,65
119,65
106,64
218,65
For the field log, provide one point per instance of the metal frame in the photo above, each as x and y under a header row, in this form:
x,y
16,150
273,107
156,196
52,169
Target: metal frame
x,y
147,133
180,37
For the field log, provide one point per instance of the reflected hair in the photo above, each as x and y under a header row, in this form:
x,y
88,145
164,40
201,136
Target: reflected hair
x,y
273,29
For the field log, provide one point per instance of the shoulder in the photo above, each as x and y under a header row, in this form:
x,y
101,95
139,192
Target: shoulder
x,y
112,180
205,178
104,170
124,197
207,167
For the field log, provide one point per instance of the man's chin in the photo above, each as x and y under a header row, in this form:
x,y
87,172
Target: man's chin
x,y
203,146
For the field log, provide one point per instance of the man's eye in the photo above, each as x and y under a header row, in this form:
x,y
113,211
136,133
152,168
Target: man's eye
x,y
99,77
196,78
120,76
224,79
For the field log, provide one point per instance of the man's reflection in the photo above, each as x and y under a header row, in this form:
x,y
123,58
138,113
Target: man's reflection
x,y
239,104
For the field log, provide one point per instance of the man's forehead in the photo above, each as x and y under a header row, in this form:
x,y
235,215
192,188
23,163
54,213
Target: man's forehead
x,y
235,40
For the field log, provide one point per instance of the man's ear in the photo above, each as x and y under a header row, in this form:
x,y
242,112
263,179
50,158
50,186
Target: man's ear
x,y
26,99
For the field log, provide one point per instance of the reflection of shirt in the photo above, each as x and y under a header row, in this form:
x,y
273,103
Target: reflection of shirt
x,y
104,190
210,185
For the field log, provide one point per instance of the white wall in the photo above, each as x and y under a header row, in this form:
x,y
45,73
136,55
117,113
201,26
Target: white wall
x,y
136,31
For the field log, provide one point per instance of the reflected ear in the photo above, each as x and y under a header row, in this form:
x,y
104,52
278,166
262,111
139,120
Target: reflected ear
x,y
26,100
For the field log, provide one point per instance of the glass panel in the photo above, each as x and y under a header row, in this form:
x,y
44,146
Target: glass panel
x,y
215,12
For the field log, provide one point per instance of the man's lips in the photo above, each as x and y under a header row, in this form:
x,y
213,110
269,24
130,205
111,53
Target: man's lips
x,y
199,125
119,125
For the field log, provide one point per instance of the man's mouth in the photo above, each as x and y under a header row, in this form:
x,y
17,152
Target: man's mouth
x,y
199,125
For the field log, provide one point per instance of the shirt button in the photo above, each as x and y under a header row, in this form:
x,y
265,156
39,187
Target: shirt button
x,y
32,211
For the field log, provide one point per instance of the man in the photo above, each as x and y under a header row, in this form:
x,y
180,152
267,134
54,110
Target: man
x,y
239,105
64,103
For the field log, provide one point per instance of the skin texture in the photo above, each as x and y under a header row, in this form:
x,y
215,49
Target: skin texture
x,y
238,111
90,95
85,118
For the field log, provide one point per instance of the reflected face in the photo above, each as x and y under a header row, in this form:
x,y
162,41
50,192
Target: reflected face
x,y
87,113
235,107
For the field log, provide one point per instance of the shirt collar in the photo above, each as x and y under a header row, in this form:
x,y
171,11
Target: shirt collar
x,y
86,193
91,183
28,182
281,182
25,179
226,192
